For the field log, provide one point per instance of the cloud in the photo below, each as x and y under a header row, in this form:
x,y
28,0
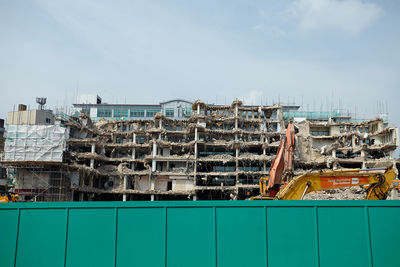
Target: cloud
x,y
351,16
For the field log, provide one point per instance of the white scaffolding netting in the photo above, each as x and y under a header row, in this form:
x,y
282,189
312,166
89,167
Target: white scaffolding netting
x,y
35,143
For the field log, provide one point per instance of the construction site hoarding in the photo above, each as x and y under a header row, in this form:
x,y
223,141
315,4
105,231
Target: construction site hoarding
x,y
35,143
200,233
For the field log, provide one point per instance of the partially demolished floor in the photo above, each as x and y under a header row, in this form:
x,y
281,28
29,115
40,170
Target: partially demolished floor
x,y
219,152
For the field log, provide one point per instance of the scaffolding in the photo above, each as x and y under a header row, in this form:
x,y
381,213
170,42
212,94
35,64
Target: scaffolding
x,y
35,143
41,182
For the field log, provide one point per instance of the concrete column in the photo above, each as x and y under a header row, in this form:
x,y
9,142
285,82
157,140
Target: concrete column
x,y
198,109
133,153
152,198
196,137
363,154
334,153
125,182
236,119
134,149
194,197
93,151
154,162
154,148
237,165
353,140
91,178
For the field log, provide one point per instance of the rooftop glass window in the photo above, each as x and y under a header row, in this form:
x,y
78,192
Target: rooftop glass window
x,y
137,112
152,112
118,113
104,112
169,113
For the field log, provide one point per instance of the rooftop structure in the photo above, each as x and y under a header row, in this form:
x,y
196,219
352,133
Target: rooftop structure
x,y
92,105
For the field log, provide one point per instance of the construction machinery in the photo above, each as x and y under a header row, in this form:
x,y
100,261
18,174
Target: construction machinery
x,y
9,198
282,185
379,181
282,165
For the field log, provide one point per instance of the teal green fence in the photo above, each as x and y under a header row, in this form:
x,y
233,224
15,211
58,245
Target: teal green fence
x,y
201,233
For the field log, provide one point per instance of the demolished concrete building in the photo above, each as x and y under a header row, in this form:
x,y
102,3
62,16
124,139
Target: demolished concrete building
x,y
217,152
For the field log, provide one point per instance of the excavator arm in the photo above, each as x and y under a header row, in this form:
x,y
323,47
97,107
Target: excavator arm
x,y
282,165
380,181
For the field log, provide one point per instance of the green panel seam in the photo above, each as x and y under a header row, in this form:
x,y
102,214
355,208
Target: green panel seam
x,y
116,236
317,236
368,236
166,236
16,242
215,235
66,237
266,235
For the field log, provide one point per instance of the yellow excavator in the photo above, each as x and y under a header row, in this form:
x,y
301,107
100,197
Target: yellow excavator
x,y
379,180
9,198
276,187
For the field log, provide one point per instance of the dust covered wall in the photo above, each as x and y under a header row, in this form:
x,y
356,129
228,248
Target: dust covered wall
x,y
182,185
142,183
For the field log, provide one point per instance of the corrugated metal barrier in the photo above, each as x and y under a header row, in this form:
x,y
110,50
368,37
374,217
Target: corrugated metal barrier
x,y
201,233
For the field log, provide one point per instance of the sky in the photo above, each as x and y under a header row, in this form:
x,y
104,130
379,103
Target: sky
x,y
320,54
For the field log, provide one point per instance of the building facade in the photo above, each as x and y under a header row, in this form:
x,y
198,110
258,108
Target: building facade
x,y
216,152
